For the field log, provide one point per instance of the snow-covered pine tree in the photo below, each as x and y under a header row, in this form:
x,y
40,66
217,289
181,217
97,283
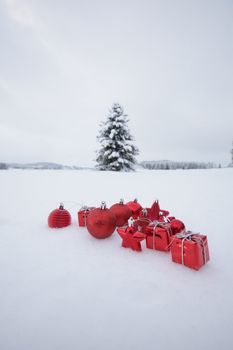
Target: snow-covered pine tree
x,y
117,151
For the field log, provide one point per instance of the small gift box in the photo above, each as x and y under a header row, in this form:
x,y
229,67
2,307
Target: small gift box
x,y
131,238
82,215
158,236
190,249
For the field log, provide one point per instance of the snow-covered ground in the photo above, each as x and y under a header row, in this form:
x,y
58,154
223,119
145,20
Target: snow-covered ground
x,y
63,289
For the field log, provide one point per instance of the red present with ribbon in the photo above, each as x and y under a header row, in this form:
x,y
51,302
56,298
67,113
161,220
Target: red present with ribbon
x,y
158,236
82,215
190,249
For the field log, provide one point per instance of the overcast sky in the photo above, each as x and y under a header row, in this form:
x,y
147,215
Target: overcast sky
x,y
64,62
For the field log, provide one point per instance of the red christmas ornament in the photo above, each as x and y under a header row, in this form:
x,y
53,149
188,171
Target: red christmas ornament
x,y
135,208
101,222
153,212
122,213
142,222
131,239
59,218
177,226
144,213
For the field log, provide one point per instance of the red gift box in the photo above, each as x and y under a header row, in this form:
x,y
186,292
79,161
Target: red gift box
x,y
158,236
82,215
190,249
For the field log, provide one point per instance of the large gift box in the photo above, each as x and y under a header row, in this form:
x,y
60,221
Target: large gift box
x,y
190,249
82,215
158,236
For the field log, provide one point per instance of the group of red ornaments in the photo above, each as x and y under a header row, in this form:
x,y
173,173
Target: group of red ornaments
x,y
135,224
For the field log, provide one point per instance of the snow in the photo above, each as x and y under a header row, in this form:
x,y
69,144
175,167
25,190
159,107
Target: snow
x,y
63,289
113,154
107,143
128,148
120,118
107,152
112,133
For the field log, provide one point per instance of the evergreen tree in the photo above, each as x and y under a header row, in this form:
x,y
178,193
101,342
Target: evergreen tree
x,y
117,151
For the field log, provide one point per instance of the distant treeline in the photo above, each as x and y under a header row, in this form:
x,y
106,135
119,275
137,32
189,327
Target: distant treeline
x,y
169,165
3,166
152,165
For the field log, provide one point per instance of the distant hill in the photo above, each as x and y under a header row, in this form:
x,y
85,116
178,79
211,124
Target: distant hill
x,y
41,166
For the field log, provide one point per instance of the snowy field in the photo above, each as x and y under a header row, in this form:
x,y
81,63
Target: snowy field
x,y
63,289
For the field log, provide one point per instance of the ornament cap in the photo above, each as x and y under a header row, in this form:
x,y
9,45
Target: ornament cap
x,y
61,206
135,200
131,222
103,205
121,201
144,212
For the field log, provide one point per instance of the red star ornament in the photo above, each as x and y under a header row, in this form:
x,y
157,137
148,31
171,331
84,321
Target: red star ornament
x,y
130,238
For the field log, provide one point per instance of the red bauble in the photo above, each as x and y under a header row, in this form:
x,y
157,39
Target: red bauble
x,y
59,218
142,221
101,222
122,213
177,226
135,208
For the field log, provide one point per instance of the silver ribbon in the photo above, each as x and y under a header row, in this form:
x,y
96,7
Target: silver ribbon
x,y
86,209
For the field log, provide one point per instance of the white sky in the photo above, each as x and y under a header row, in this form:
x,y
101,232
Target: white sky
x,y
168,62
